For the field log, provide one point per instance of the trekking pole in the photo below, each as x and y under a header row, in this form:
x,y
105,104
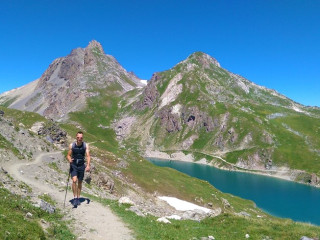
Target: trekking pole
x,y
64,204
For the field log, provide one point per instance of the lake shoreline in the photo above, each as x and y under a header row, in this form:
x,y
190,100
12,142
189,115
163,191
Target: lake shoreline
x,y
283,199
283,174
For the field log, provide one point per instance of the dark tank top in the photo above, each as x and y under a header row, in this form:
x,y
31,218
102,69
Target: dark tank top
x,y
78,153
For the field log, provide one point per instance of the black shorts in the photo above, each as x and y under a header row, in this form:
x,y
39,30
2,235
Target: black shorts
x,y
77,171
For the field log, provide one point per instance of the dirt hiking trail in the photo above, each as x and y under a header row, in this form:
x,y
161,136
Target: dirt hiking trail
x,y
91,220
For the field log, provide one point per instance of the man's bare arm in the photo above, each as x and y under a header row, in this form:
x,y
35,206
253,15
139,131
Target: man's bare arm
x,y
69,154
88,158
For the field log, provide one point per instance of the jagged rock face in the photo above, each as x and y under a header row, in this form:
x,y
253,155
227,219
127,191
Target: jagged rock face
x,y
72,65
169,120
89,58
193,117
69,81
150,94
314,179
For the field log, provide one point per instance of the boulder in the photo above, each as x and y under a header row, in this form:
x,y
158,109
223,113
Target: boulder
x,y
51,131
306,238
225,202
163,220
126,200
243,213
175,217
196,215
47,207
36,127
314,179
105,182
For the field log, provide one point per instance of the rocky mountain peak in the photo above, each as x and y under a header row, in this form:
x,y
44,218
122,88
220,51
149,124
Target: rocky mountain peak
x,y
70,80
95,44
203,59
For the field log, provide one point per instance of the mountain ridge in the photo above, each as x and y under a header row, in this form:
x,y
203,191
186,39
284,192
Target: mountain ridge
x,y
69,81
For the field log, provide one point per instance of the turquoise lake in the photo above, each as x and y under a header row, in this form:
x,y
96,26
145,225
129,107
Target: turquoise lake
x,y
277,197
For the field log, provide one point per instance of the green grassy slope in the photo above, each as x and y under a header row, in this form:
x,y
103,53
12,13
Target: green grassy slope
x,y
102,110
248,120
15,225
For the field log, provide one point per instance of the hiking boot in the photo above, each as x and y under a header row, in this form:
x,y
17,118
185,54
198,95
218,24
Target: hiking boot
x,y
75,202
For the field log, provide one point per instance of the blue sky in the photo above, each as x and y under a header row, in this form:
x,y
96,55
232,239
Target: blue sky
x,y
274,43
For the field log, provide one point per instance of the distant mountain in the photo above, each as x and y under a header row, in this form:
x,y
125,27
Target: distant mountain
x,y
69,81
200,108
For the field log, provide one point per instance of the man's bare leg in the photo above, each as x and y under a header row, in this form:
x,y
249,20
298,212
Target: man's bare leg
x,y
79,188
75,189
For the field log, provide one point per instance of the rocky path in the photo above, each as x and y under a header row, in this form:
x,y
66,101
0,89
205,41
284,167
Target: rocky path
x,y
90,220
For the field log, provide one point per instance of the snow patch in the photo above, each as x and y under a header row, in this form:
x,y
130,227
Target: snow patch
x,y
181,205
145,82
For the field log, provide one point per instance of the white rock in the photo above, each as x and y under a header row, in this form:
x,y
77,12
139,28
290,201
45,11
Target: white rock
x,y
305,238
172,91
211,237
163,219
176,217
125,200
247,235
176,109
36,127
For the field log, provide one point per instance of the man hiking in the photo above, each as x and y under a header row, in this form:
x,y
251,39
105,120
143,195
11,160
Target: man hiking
x,y
77,154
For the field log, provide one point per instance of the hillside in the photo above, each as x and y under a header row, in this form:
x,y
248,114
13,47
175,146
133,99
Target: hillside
x,y
39,177
199,108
